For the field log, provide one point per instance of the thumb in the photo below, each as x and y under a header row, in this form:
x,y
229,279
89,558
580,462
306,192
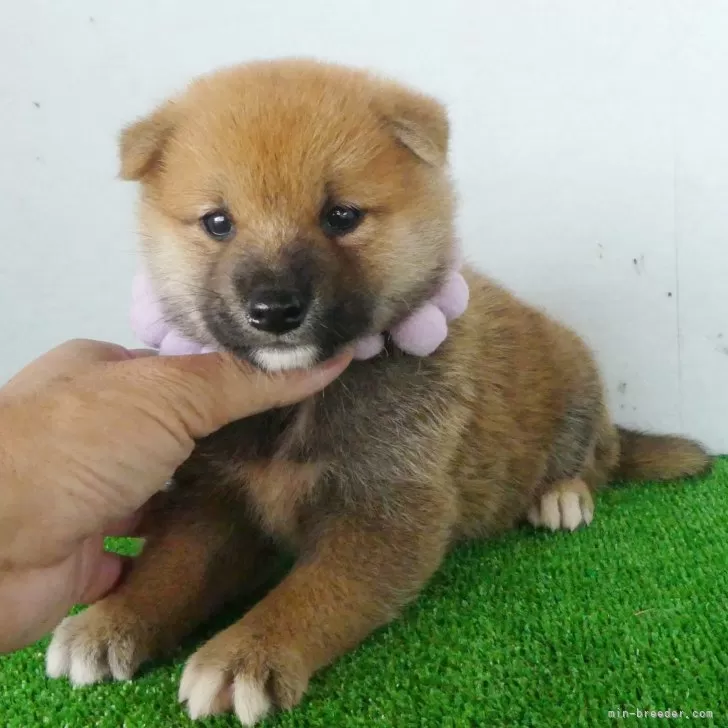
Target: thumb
x,y
208,391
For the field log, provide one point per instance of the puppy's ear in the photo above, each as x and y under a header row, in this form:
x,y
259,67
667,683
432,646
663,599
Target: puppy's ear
x,y
419,122
141,143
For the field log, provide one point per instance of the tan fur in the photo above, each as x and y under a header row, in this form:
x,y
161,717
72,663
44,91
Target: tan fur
x,y
372,481
658,457
278,489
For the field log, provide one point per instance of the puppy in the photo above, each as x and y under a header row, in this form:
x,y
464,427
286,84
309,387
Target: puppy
x,y
287,209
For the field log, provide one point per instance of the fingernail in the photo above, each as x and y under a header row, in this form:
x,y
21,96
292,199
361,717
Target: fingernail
x,y
335,362
328,371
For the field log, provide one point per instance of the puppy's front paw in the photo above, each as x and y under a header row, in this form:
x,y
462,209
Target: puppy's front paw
x,y
98,643
568,505
235,671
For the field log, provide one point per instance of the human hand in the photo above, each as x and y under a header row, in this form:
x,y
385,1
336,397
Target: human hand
x,y
90,432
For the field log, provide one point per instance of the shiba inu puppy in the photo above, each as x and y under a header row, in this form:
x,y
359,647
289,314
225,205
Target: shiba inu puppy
x,y
287,209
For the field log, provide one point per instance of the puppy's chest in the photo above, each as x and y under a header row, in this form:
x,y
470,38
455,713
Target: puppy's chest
x,y
375,427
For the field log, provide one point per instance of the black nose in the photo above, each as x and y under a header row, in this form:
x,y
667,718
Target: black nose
x,y
276,310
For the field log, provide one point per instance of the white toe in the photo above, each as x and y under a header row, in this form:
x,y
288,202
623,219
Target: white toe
x,y
534,516
550,512
251,702
206,691
570,511
86,667
121,669
57,658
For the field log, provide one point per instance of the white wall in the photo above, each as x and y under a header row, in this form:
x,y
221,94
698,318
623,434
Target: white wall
x,y
589,145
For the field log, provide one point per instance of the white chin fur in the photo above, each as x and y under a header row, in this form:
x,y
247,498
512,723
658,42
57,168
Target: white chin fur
x,y
278,360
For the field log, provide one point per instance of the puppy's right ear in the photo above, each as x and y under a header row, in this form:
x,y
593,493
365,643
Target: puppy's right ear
x,y
141,143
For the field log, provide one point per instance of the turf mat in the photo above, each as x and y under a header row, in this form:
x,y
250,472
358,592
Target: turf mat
x,y
534,629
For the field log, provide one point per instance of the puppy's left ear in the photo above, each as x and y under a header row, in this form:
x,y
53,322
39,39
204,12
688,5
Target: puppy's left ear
x,y
419,122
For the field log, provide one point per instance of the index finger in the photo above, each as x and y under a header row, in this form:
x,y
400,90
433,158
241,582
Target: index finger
x,y
204,392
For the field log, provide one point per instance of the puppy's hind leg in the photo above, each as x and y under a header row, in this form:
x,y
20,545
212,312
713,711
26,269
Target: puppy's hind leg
x,y
576,463
566,505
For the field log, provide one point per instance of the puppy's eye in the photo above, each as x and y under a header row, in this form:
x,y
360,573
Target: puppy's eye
x,y
218,224
340,219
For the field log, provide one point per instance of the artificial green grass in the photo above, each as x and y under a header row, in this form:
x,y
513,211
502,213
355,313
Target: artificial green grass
x,y
535,629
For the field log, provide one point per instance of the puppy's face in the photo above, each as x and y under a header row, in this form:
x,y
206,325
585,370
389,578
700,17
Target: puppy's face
x,y
291,207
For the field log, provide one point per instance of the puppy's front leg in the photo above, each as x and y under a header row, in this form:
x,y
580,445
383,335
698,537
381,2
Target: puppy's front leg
x,y
354,576
200,552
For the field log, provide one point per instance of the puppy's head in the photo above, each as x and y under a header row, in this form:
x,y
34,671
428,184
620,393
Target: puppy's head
x,y
290,207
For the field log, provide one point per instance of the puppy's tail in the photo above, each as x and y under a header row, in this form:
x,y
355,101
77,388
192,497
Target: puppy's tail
x,y
659,457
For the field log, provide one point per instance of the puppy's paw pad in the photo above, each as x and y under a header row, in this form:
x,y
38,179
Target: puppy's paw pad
x,y
212,690
89,647
566,507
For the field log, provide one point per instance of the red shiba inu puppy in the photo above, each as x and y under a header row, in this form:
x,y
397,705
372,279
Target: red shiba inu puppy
x,y
287,209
